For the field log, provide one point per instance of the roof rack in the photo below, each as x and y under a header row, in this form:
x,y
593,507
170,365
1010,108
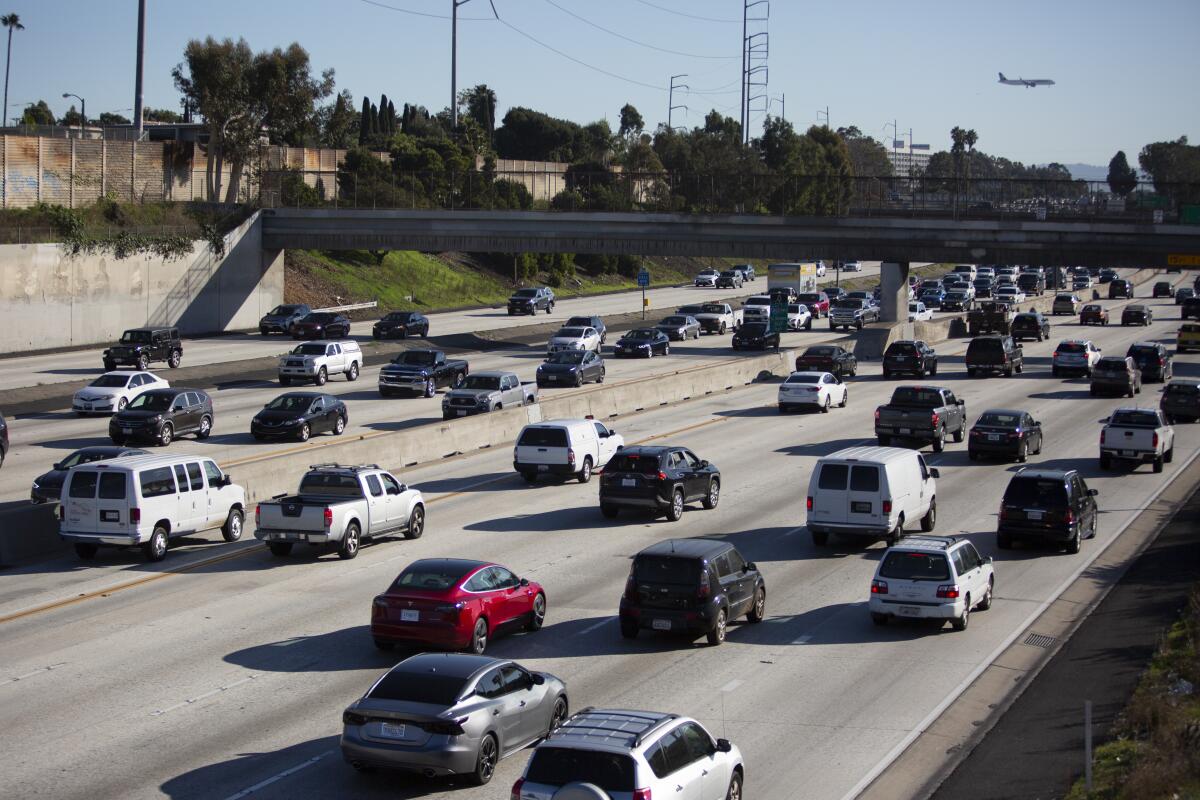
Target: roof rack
x,y
944,541
350,467
574,726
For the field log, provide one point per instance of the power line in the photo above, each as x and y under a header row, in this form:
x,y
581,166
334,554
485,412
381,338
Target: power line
x,y
592,67
421,13
685,14
635,41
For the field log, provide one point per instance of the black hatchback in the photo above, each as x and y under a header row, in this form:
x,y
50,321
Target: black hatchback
x,y
1049,505
691,587
298,415
1181,401
658,479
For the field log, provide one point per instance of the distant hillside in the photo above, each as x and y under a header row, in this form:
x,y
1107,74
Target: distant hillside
x,y
1088,172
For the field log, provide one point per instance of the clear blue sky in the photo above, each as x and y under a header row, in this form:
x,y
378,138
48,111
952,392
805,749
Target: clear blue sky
x,y
1126,72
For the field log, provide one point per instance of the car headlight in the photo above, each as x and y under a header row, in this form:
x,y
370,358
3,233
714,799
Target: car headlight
x,y
35,485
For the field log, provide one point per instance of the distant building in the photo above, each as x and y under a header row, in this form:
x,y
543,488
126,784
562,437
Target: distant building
x,y
907,161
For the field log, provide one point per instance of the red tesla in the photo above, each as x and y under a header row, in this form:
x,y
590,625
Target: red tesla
x,y
455,603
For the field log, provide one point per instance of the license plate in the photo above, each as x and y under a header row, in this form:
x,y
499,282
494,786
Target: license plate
x,y
551,378
127,431
410,615
662,624
1034,515
905,431
543,467
461,413
909,611
392,731
993,437
628,482
859,507
1127,453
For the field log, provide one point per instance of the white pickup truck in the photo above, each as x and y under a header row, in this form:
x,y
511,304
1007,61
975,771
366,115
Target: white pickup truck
x,y
1137,434
719,318
340,506
316,361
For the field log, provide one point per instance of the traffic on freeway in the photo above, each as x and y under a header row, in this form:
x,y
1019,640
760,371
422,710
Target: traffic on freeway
x,y
762,580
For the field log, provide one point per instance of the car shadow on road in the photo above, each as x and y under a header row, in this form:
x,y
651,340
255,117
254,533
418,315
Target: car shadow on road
x,y
401,424
1064,394
487,482
766,545
78,442
820,448
758,411
563,520
1087,467
336,651
78,371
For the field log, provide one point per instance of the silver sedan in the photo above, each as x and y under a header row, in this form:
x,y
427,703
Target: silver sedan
x,y
678,327
451,714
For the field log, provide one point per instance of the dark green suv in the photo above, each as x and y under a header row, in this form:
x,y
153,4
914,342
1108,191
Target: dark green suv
x,y
139,347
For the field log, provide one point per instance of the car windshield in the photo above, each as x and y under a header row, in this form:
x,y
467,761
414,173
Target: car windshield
x,y
151,401
909,566
820,352
579,322
691,310
418,687
713,308
1134,418
753,329
566,357
282,311
729,273
956,295
570,333
416,358
758,301
1140,352
634,462
1185,389
666,569
1007,290
901,349
1091,309
708,272
640,333
849,303
482,382
674,321
1025,319
999,419
543,437
805,378
318,319
917,396
290,402
309,350
135,337
1065,298
398,316
1136,309
1111,364
612,773
110,382
1036,492
526,293
796,308
83,457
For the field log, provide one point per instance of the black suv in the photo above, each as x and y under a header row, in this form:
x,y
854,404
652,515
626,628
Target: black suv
x,y
1180,401
531,301
140,347
1137,315
691,586
160,415
913,357
660,479
1031,283
1119,287
1190,308
1163,289
281,319
994,354
1030,325
1153,360
401,324
1049,505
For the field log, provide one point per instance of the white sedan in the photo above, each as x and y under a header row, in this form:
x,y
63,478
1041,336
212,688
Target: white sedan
x,y
574,338
852,266
815,389
917,312
1009,294
112,391
799,317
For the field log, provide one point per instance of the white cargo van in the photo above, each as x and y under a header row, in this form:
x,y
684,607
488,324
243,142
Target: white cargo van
x,y
147,500
565,448
871,492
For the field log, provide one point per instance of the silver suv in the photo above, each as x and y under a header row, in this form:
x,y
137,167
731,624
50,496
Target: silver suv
x,y
631,755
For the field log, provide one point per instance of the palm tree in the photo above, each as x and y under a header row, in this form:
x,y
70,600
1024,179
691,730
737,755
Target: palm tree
x,y
13,23
970,138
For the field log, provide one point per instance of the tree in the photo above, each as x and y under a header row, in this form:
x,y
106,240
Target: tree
x,y
337,122
364,123
479,103
161,115
37,114
1170,164
969,139
385,127
533,136
107,118
1122,178
632,123
13,23
868,158
72,118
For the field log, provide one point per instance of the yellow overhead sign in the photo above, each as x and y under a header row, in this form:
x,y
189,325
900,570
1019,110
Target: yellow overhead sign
x,y
1183,260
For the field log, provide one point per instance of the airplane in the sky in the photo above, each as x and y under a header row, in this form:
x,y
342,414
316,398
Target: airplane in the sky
x,y
1028,83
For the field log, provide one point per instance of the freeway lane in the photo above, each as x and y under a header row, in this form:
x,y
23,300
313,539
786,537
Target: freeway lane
x,y
209,683
78,365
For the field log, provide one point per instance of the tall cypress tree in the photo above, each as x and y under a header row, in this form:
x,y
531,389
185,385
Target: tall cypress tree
x,y
391,115
383,114
374,121
364,122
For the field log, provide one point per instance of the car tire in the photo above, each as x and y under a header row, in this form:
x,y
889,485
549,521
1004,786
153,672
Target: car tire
x,y
675,510
825,406
322,377
1105,461
887,374
1158,464
717,635
85,550
166,434
174,358
939,443
304,432
609,511
960,623
1054,372
351,540
416,523
1169,456
430,388
1072,546
629,629
930,519
537,614
600,379
479,637
109,366
156,548
352,373
972,455
845,399
893,538
585,472
122,403
879,619
143,362
961,433
986,602
339,427
758,609
734,792
231,531
714,494
884,441
489,753
280,549
970,372
380,644
1023,453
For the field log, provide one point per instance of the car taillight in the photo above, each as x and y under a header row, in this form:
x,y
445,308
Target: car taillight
x,y
887,506
516,790
571,456
328,517
449,727
879,587
1102,432
809,504
1154,440
662,476
705,591
1055,354
1069,517
258,515
1002,515
641,794
934,418
379,607
350,718
877,415
948,591
1162,362
135,515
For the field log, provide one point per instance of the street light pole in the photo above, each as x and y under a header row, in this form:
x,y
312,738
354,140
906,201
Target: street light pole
x,y
454,4
141,53
82,107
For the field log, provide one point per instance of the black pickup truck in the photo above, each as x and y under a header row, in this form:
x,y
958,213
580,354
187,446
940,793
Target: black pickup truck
x,y
921,414
421,372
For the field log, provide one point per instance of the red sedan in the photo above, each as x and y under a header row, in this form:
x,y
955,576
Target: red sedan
x,y
455,603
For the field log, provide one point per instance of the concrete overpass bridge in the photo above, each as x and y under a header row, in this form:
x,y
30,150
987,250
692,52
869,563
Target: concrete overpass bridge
x,y
894,241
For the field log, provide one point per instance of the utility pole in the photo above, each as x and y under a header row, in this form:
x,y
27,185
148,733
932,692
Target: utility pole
x,y
141,53
671,98
826,112
454,4
746,37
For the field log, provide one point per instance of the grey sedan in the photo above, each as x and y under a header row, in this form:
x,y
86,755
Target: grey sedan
x,y
451,714
678,327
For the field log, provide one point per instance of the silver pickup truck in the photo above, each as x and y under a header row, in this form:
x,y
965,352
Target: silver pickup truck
x,y
340,506
1140,435
488,391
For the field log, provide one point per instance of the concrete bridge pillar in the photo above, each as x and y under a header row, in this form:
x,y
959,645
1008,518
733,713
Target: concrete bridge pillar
x,y
893,291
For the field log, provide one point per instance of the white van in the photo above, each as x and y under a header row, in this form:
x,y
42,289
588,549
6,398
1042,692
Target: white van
x,y
872,492
565,448
147,500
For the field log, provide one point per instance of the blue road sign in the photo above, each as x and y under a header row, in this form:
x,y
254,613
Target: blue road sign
x,y
643,279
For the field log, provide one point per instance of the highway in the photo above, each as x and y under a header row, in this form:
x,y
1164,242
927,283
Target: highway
x,y
228,680
75,365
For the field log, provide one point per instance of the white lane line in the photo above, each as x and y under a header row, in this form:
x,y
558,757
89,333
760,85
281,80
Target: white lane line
x,y
36,672
204,696
262,784
733,684
592,627
802,639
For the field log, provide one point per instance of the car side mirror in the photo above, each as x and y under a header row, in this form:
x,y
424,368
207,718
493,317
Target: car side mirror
x,y
403,488
225,480
620,447
1093,492
934,472
58,465
536,679
987,559
723,746
748,566
962,402
524,581
266,404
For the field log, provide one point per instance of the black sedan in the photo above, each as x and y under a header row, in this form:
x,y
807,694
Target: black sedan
x,y
1136,315
47,487
1030,325
644,342
907,356
298,415
322,325
401,325
1005,432
1184,293
755,336
680,326
828,358
570,368
957,300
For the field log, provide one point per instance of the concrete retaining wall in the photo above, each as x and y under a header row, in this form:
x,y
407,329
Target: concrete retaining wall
x,y
49,299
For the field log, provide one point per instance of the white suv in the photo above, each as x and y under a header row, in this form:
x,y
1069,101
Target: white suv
x,y
932,577
631,755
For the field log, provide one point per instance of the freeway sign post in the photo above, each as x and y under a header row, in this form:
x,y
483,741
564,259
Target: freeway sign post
x,y
643,280
779,314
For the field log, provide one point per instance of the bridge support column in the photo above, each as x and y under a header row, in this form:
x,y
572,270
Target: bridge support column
x,y
893,291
